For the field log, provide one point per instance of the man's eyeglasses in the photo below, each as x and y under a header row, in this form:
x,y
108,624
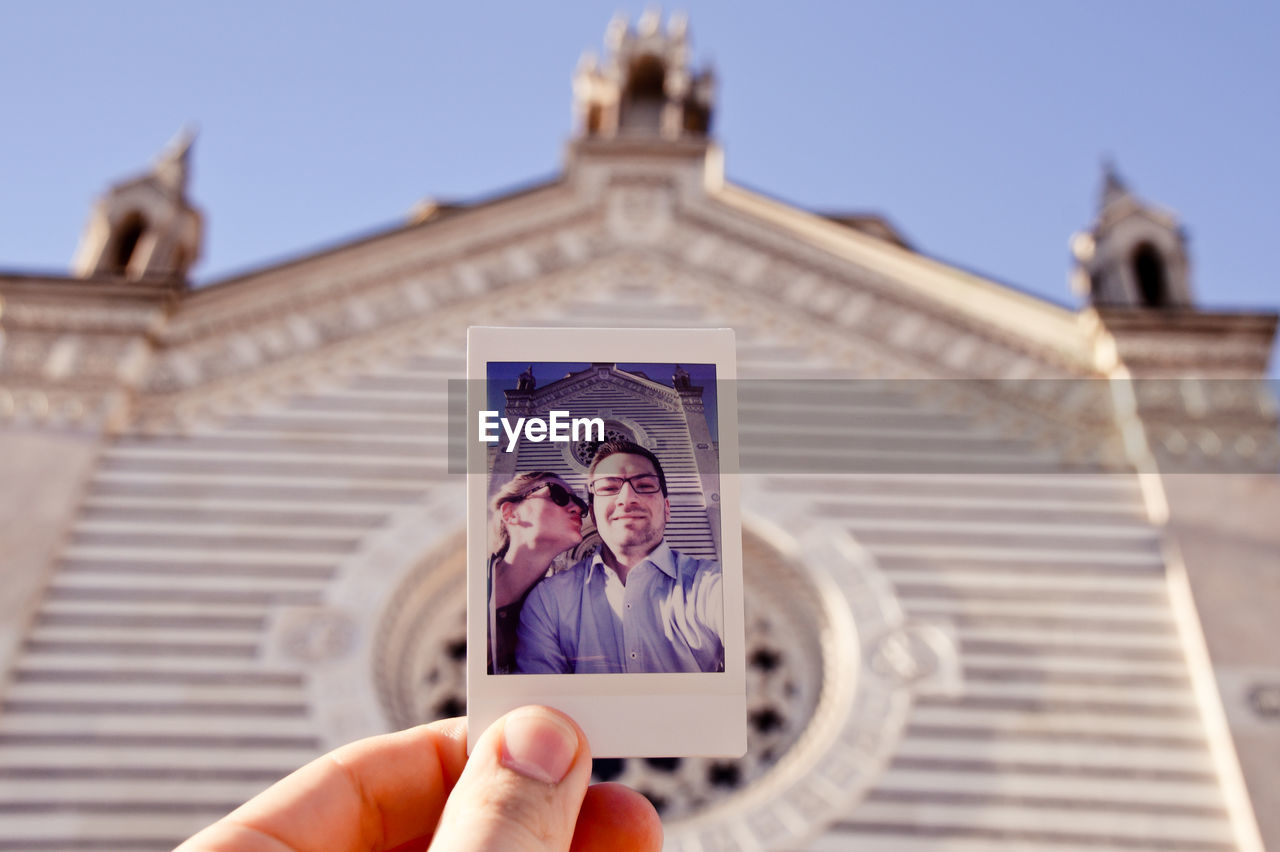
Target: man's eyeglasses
x,y
559,495
608,486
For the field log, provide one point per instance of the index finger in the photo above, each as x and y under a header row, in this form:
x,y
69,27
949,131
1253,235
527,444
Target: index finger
x,y
377,794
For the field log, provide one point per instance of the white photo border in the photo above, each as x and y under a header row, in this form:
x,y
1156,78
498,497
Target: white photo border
x,y
631,715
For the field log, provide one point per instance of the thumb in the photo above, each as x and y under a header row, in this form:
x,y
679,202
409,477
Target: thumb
x,y
521,788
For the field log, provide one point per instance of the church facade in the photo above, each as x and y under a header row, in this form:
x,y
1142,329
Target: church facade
x,y
1010,567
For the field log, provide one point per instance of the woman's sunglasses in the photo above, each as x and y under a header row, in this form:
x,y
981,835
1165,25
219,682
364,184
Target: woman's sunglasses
x,y
559,495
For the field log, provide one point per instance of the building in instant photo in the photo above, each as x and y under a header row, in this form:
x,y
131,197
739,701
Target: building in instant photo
x,y
1005,588
665,415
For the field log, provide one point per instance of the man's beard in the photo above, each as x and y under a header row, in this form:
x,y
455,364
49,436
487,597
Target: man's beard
x,y
647,536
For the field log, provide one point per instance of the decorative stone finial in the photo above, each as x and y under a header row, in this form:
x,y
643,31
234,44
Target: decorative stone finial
x,y
173,164
1113,187
644,87
650,22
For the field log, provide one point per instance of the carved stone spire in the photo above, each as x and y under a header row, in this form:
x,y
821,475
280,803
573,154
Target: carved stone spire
x,y
644,87
145,227
1133,268
1134,256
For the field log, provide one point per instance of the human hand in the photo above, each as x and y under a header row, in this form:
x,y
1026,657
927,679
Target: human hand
x,y
524,788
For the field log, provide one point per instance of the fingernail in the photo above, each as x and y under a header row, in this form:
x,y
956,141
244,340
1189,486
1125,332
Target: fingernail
x,y
538,745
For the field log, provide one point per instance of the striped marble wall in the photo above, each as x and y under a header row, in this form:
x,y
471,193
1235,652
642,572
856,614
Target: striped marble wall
x,y
146,703
143,705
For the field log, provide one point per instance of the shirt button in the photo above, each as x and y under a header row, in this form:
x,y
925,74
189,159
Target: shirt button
x,y
633,655
628,606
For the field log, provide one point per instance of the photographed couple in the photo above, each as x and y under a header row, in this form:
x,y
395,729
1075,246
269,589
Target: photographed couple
x,y
634,605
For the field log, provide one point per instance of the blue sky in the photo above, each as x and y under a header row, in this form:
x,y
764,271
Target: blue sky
x,y
977,128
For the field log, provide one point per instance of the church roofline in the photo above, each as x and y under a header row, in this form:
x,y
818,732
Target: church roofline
x,y
982,300
447,211
871,224
969,295
882,228
1000,282
583,374
1021,315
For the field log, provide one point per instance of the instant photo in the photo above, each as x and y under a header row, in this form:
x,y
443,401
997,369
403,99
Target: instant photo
x,y
604,538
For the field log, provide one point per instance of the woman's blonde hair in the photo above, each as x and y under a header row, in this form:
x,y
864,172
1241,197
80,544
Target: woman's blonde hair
x,y
513,492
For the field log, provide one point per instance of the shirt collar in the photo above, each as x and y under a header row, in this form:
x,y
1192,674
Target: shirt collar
x,y
662,557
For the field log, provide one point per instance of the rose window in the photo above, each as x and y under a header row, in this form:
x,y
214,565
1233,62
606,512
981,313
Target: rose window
x,y
585,451
421,675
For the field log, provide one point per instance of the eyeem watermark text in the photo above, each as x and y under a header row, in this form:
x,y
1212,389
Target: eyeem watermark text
x,y
559,427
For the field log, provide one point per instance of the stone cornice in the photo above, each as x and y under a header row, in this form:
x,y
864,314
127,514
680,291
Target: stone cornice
x,y
202,383
1071,416
1036,324
219,379
282,330
631,147
105,290
828,291
1183,343
351,268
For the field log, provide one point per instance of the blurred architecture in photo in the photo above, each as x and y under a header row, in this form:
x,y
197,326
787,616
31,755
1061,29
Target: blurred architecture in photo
x,y
1011,572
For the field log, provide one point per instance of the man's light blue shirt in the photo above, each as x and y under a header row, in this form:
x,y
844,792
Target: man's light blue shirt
x,y
669,617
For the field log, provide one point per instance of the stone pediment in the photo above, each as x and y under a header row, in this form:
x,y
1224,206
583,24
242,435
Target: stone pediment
x,y
887,340
612,226
370,286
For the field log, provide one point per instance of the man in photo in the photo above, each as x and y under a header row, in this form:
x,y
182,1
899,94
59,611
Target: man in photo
x,y
635,605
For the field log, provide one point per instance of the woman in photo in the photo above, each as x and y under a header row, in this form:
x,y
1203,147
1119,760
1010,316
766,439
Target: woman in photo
x,y
535,517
